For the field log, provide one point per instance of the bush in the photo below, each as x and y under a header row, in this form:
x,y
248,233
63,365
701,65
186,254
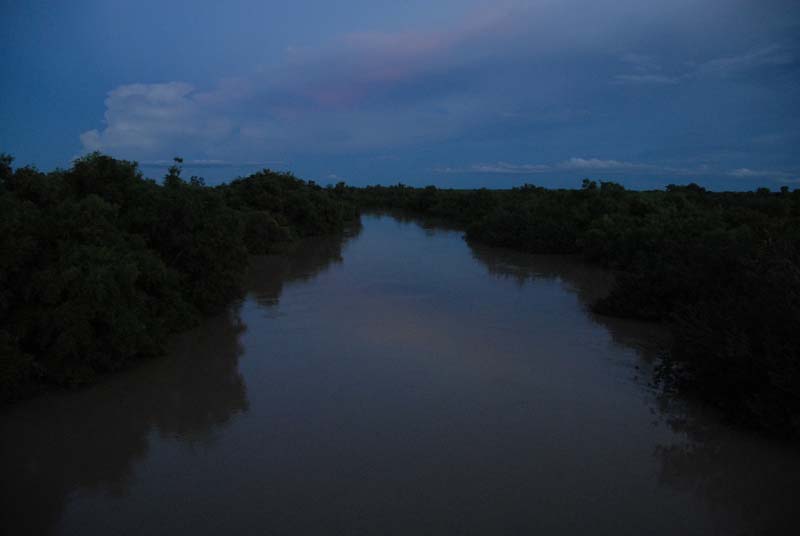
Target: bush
x,y
721,268
98,264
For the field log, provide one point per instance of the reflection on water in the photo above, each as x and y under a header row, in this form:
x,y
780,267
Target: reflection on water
x,y
396,382
588,281
748,484
92,438
302,262
745,481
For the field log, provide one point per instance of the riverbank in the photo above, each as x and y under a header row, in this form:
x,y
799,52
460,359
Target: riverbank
x,y
721,269
99,265
438,385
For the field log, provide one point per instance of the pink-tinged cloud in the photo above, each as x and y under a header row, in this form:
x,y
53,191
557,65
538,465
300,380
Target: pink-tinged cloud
x,y
495,86
359,65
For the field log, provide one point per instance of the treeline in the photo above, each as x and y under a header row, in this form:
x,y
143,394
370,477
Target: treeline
x,y
721,268
99,264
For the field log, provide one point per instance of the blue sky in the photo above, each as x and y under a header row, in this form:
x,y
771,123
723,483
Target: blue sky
x,y
454,93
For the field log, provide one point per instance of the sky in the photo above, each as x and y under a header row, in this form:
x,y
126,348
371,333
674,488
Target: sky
x,y
467,93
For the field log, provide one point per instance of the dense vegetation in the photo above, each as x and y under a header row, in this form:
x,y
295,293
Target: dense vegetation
x,y
98,264
723,269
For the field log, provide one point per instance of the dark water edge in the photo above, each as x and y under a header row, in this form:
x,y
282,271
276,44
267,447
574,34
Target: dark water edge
x,y
396,381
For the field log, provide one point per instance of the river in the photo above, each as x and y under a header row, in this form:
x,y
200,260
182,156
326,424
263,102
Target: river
x,y
395,381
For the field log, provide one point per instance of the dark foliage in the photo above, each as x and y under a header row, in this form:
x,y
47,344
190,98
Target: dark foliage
x,y
98,264
722,268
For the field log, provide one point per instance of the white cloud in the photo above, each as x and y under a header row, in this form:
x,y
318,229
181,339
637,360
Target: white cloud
x,y
648,70
498,168
211,163
646,79
504,167
744,173
361,91
516,74
747,173
768,55
641,62
141,119
574,163
149,122
596,163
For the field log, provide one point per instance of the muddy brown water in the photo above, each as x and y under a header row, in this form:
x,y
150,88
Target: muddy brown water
x,y
398,381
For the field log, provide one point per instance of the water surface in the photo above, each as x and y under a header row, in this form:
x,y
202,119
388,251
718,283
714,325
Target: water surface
x,y
399,381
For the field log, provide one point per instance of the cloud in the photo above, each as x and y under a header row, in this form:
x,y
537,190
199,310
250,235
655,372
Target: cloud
x,y
771,55
654,79
146,118
641,62
746,173
498,168
596,163
363,91
206,163
503,168
614,167
488,86
572,164
649,72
